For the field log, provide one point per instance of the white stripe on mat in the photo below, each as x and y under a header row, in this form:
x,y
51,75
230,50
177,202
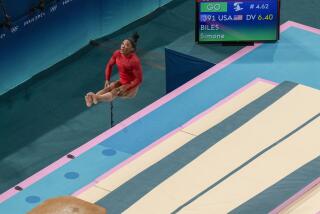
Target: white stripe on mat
x,y
271,167
176,141
266,128
309,203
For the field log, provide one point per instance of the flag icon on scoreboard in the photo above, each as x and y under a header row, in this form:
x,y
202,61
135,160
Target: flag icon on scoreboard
x,y
203,18
238,17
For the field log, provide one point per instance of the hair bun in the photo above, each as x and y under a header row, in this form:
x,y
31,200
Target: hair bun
x,y
135,37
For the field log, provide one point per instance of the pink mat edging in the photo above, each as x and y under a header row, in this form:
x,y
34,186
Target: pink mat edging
x,y
296,196
303,27
9,193
227,99
37,176
151,146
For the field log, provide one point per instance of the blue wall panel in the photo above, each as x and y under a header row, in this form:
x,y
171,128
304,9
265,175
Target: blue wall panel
x,y
180,68
17,9
119,14
36,42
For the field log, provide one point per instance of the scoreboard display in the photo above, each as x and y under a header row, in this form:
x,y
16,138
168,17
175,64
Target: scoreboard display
x,y
237,21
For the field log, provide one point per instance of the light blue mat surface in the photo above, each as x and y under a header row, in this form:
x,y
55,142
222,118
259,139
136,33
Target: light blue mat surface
x,y
296,57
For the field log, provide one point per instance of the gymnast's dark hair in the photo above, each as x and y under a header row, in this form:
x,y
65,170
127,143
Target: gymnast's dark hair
x,y
134,39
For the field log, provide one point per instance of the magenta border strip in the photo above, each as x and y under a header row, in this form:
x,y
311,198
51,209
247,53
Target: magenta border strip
x,y
300,26
296,196
227,99
151,146
34,178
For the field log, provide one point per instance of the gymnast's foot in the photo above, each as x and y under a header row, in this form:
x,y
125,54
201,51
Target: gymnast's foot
x,y
88,99
94,98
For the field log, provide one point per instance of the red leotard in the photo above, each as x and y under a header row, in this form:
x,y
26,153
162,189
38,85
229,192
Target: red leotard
x,y
129,67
